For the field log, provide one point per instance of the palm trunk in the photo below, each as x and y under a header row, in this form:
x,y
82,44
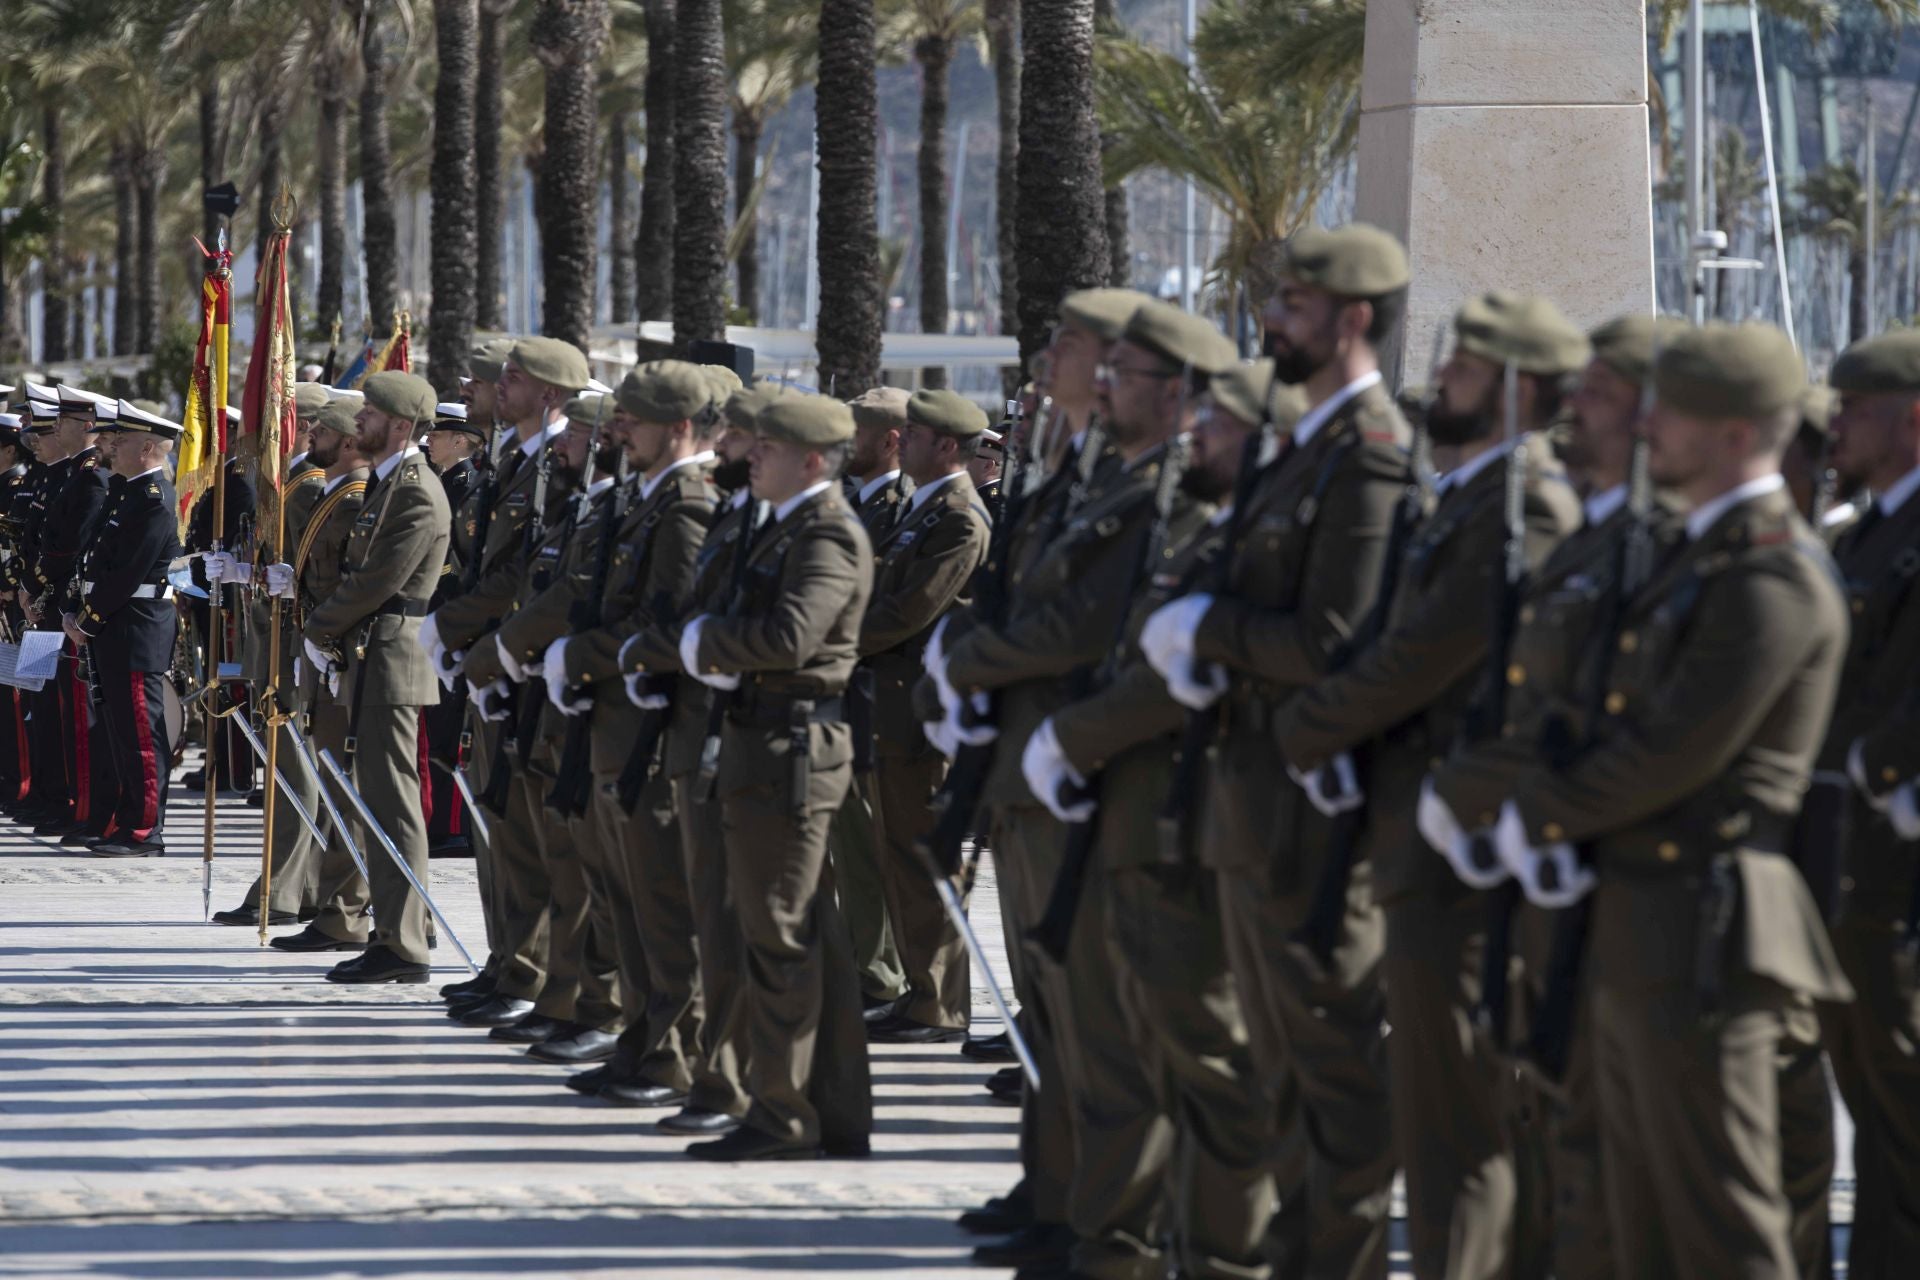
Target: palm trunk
x,y
620,213
653,243
149,172
1003,33
331,153
489,182
272,120
125,290
1119,256
378,251
699,174
566,37
53,260
1859,324
746,166
450,323
77,310
935,56
846,133
1063,233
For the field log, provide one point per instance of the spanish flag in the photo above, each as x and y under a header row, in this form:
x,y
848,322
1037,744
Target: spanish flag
x,y
203,437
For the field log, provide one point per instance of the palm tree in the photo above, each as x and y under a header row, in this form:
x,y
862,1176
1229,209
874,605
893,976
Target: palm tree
x,y
567,36
22,234
1833,202
623,73
332,67
53,257
771,52
378,251
489,182
699,172
456,25
620,218
1119,252
1063,233
1002,20
847,234
653,243
122,341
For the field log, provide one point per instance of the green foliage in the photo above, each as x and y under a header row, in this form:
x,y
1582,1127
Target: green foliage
x,y
165,378
1817,16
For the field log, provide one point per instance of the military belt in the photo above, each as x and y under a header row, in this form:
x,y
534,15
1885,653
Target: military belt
x,y
772,711
1655,852
398,607
145,591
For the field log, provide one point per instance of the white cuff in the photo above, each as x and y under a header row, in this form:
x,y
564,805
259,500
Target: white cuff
x,y
941,734
1333,788
516,670
934,659
1555,877
690,657
1167,639
1196,685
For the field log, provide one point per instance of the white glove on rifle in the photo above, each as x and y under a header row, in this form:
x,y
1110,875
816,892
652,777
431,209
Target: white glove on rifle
x,y
1333,788
430,633
1053,781
640,692
934,659
1167,639
724,681
447,665
280,581
568,699
941,734
222,566
317,657
1473,859
495,701
516,669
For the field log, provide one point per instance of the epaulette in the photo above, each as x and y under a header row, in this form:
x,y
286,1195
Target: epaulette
x,y
153,490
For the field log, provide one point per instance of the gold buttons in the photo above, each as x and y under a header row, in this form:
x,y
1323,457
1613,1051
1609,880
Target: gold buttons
x,y
1668,851
1526,615
1616,703
1629,641
1554,831
586,677
1516,675
1859,605
1889,774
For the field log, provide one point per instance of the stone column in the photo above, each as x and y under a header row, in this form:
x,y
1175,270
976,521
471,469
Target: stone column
x,y
1506,142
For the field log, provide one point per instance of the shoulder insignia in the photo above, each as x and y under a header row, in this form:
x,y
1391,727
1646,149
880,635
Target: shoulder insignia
x,y
153,490
473,528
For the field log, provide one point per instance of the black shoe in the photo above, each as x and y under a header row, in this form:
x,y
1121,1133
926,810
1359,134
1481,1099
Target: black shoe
x,y
846,1148
1006,1084
1001,1216
451,847
591,1080
129,849
495,1011
311,939
640,1093
582,1046
378,964
84,838
194,780
751,1144
532,1029
60,824
902,1030
250,916
875,1009
481,984
998,1048
698,1120
256,799
1042,1243
467,1004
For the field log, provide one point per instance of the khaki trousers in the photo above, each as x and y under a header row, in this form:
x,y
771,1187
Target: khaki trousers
x,y
386,772
344,894
939,987
662,1033
854,838
296,858
719,1078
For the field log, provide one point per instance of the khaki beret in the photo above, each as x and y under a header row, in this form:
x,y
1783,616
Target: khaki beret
x,y
488,358
1244,390
880,407
589,407
665,391
401,395
1886,362
1181,336
1102,312
1817,407
816,422
743,407
1527,332
721,382
552,361
946,413
1729,371
1354,261
1628,345
339,415
309,398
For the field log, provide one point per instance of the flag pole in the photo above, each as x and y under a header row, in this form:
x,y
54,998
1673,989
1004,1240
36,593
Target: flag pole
x,y
272,288
216,431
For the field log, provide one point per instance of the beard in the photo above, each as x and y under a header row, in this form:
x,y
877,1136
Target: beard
x,y
1200,484
731,476
1448,428
1291,365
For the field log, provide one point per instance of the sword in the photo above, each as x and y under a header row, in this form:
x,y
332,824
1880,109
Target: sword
x,y
340,826
280,778
393,851
459,775
957,913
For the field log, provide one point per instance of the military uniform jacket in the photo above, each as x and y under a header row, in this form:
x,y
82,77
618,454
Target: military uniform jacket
x,y
299,497
392,559
1126,733
1558,654
322,539
16,493
1407,694
458,481
922,569
1066,609
1719,694
1879,561
794,638
883,508
506,550
70,520
138,539
1305,574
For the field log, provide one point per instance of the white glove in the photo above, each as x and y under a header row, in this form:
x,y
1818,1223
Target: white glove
x,y
1196,685
1167,639
320,661
1472,858
1048,773
1903,811
641,695
1331,796
934,659
447,665
516,669
300,669
430,633
1857,770
623,660
496,701
333,683
724,681
1554,877
941,734
567,700
222,566
280,580
970,725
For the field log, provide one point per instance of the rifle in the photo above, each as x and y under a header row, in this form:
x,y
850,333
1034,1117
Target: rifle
x,y
1490,1015
573,781
488,498
757,512
1054,932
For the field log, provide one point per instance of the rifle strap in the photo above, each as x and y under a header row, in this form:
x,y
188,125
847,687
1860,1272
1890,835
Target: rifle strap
x,y
318,520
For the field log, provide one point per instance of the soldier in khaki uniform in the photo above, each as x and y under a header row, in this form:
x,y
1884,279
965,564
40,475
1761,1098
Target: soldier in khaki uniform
x,y
1405,698
1871,1042
371,620
779,657
536,378
1163,914
1025,838
341,891
1703,931
1304,577
296,862
1069,609
923,567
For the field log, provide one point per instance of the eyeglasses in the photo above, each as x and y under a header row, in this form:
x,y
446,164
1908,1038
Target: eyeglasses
x,y
1112,374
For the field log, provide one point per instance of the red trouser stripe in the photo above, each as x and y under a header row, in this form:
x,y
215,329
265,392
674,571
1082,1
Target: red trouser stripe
x,y
426,772
82,756
20,736
149,772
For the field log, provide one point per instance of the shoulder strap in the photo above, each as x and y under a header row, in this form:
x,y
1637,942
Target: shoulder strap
x,y
319,518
